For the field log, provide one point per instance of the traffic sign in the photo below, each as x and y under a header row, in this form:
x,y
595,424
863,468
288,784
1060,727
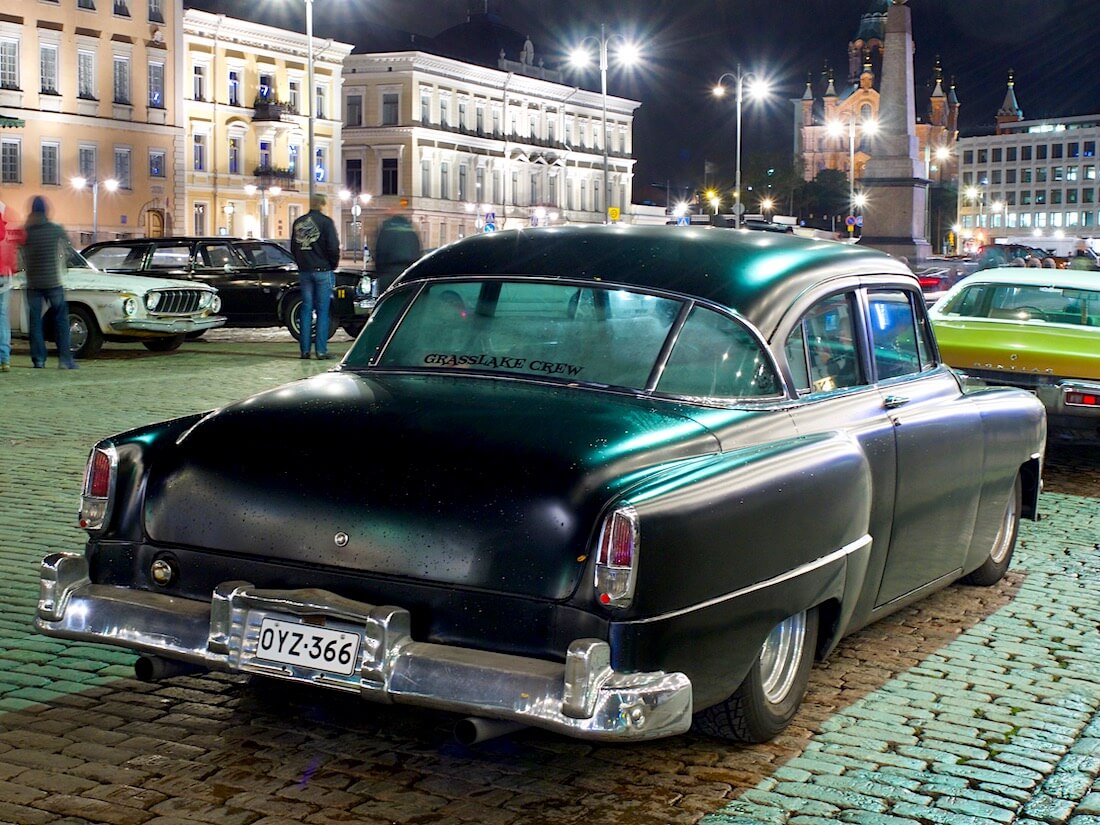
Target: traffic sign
x,y
490,227
859,220
683,220
613,213
850,220
490,217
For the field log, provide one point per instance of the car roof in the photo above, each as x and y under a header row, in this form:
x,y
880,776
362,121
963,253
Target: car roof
x,y
758,274
1034,276
177,239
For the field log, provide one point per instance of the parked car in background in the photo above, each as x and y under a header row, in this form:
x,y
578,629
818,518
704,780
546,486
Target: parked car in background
x,y
103,306
937,274
1034,329
616,479
995,255
257,280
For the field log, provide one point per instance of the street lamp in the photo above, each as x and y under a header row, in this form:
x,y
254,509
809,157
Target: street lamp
x,y
836,128
110,185
758,88
628,55
311,98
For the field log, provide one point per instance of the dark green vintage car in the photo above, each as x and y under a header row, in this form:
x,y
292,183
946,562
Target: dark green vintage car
x,y
611,480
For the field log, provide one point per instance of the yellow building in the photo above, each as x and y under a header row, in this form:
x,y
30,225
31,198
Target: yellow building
x,y
92,88
245,162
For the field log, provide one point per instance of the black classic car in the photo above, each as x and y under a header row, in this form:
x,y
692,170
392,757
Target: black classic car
x,y
256,280
618,479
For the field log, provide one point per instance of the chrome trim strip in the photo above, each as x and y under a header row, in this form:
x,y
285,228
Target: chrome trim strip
x,y
801,570
582,697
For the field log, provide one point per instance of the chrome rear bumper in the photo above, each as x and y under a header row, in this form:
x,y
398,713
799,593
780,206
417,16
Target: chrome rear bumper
x,y
583,697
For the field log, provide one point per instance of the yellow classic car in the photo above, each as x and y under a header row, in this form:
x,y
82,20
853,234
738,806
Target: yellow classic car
x,y
1038,329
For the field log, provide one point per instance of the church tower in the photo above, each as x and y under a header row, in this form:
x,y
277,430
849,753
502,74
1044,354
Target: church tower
x,y
1010,111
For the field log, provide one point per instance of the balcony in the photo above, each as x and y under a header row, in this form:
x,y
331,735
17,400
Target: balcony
x,y
270,110
268,176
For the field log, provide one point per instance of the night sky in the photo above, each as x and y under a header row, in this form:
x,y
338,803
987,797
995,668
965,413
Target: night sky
x,y
687,44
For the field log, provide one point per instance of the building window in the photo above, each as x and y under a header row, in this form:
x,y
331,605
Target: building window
x,y
295,99
156,11
319,101
515,189
1056,151
997,153
354,110
198,91
9,64
444,113
266,90
1010,154
320,165
265,154
86,162
1073,150
389,176
122,8
51,170
462,114
234,156
199,153
122,80
1041,152
156,163
1072,173
156,85
479,184
389,109
479,120
444,181
353,174
536,190
293,152
425,178
86,4
463,193
85,75
47,69
122,168
198,218
234,87
1090,149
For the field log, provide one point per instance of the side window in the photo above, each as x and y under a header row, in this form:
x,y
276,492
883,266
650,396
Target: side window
x,y
822,349
116,257
898,346
176,256
216,256
716,357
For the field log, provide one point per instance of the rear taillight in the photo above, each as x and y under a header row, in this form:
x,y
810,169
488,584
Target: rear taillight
x,y
617,558
929,281
1076,398
99,486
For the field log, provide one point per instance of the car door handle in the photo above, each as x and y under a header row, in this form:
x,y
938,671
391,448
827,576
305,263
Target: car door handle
x,y
892,402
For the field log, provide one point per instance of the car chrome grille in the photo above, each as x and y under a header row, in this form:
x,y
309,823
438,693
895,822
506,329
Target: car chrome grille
x,y
179,301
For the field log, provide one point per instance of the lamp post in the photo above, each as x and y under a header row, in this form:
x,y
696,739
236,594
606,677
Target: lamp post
x,y
836,128
311,98
758,89
110,185
627,55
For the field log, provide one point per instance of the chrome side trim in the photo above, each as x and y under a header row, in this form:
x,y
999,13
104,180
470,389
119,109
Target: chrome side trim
x,y
801,570
582,697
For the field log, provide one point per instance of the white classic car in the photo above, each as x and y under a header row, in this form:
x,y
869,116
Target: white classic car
x,y
105,306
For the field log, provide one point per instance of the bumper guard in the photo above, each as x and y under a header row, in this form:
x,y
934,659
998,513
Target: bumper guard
x,y
583,697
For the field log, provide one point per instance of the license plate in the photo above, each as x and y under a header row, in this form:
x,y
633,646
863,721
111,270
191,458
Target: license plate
x,y
319,648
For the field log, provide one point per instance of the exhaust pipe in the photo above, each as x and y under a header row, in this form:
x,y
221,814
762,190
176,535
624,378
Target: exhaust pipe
x,y
474,729
155,668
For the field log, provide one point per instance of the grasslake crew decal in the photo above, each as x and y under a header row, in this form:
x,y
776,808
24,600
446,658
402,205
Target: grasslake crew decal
x,y
503,362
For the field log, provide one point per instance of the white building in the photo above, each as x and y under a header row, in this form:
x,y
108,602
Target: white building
x,y
1034,177
450,144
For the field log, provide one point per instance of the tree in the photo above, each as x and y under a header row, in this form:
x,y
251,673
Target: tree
x,y
827,196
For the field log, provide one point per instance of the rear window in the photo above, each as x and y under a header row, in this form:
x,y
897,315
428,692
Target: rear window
x,y
1050,304
572,333
117,257
258,253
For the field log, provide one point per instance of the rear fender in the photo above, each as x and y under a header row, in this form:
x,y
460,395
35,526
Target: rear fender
x,y
733,547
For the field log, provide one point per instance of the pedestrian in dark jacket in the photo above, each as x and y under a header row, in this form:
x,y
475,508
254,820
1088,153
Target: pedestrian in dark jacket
x,y
316,250
45,256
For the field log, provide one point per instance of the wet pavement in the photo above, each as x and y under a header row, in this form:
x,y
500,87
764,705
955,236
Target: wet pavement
x,y
975,706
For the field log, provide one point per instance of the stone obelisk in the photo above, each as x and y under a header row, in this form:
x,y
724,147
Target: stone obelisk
x,y
895,215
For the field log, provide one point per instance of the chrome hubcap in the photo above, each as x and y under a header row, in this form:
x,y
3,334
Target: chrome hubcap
x,y
1004,534
780,656
78,334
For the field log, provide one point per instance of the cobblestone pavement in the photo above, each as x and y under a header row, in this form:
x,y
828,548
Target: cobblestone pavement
x,y
975,707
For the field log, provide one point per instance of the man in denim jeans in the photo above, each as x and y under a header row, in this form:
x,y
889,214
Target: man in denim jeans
x,y
45,256
316,250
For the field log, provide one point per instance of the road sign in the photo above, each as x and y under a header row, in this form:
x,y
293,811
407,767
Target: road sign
x,y
859,220
613,213
490,227
683,220
850,220
490,217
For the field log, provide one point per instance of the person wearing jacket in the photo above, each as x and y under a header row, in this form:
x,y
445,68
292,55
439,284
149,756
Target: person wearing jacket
x,y
7,269
316,250
45,253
